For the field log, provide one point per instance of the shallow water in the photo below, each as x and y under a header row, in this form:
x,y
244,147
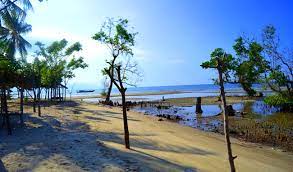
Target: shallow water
x,y
208,119
166,96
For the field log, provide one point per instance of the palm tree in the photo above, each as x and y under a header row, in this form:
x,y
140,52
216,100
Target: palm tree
x,y
12,26
11,33
21,6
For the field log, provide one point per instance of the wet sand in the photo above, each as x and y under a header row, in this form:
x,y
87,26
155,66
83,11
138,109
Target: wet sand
x,y
78,136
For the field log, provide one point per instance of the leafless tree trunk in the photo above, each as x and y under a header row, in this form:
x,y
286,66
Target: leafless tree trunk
x,y
226,120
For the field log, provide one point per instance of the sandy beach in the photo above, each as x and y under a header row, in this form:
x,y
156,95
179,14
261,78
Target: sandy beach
x,y
78,136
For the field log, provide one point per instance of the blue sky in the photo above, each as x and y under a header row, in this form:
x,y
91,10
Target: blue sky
x,y
175,36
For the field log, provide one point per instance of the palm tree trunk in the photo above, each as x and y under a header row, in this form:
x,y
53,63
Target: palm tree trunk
x,y
226,122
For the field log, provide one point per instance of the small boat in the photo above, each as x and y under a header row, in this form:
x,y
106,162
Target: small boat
x,y
85,91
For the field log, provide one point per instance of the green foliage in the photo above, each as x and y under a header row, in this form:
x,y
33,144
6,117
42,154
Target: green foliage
x,y
19,6
279,76
250,65
280,70
25,99
8,72
11,33
116,35
220,60
55,68
280,100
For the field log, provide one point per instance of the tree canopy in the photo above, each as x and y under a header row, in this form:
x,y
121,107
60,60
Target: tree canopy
x,y
117,36
56,67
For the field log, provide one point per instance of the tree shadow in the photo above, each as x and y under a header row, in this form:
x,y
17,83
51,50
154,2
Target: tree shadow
x,y
96,119
40,140
102,113
2,167
149,144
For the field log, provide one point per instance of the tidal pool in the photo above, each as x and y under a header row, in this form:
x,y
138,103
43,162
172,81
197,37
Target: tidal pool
x,y
208,120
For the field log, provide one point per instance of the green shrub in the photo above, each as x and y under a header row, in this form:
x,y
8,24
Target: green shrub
x,y
279,100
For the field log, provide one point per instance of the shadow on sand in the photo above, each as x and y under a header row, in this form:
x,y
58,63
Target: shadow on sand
x,y
72,143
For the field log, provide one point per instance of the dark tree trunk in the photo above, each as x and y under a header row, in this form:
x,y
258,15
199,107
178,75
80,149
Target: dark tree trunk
x,y
248,89
45,94
125,122
21,105
7,121
226,120
51,93
109,91
65,92
2,106
59,94
39,101
198,105
34,100
111,81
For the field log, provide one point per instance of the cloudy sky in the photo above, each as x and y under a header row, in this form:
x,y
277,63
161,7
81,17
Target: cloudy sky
x,y
175,36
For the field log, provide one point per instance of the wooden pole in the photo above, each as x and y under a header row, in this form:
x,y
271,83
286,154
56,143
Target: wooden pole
x,y
198,105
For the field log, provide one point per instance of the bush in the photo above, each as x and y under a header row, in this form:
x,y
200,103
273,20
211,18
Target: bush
x,y
279,100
